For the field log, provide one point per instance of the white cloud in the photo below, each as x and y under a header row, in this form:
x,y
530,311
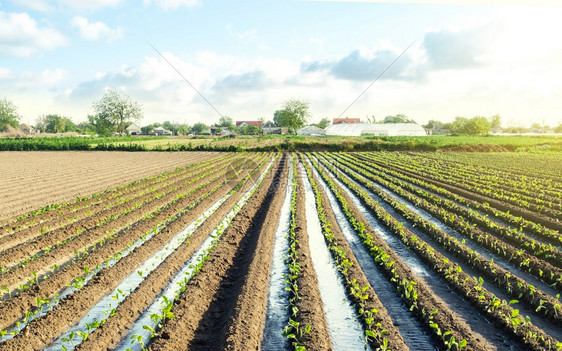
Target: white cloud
x,y
45,6
168,5
47,79
95,30
20,35
5,73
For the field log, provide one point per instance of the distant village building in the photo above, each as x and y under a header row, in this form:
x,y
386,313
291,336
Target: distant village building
x,y
312,131
437,130
248,123
162,131
376,129
270,128
133,129
24,127
346,120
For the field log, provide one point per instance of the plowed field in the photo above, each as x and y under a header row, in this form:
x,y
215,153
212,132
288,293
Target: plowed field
x,y
250,251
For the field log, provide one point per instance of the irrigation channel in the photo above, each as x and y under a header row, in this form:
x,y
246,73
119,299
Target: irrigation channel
x,y
308,251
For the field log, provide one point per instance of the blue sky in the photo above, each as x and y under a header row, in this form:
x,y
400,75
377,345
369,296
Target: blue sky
x,y
248,56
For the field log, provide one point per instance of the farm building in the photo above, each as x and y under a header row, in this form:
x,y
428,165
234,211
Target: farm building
x,y
24,127
133,129
248,123
346,120
311,130
376,129
162,131
270,128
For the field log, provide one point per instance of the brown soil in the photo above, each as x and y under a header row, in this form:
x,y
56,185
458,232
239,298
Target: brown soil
x,y
216,320
115,329
22,229
15,307
32,179
90,226
43,330
39,223
67,251
475,148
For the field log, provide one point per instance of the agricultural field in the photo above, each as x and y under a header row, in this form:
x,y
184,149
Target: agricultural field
x,y
289,251
37,179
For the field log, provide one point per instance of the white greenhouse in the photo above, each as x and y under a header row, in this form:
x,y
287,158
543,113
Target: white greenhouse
x,y
376,129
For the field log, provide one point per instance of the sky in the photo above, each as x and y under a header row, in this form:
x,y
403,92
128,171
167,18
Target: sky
x,y
247,57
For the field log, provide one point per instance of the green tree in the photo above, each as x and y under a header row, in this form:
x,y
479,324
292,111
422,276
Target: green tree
x,y
477,126
8,114
399,118
536,126
85,128
149,128
225,121
54,123
558,129
457,126
60,125
117,108
293,116
183,129
198,128
249,130
324,122
433,124
102,126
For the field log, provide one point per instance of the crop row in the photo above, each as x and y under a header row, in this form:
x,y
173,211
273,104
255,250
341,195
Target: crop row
x,y
52,215
160,309
376,322
471,289
449,199
542,166
542,269
431,171
107,246
515,286
117,221
166,218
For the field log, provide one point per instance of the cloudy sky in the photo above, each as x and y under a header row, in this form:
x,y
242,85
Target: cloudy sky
x,y
248,56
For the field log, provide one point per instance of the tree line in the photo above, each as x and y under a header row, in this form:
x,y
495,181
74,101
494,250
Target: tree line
x,y
116,111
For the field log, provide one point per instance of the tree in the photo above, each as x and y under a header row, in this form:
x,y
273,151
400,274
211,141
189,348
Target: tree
x,y
226,122
558,129
198,128
433,124
8,114
457,127
399,118
117,108
60,125
293,116
477,126
325,122
102,125
41,123
183,129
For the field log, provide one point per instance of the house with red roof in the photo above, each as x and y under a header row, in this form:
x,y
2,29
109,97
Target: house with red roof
x,y
248,123
346,120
